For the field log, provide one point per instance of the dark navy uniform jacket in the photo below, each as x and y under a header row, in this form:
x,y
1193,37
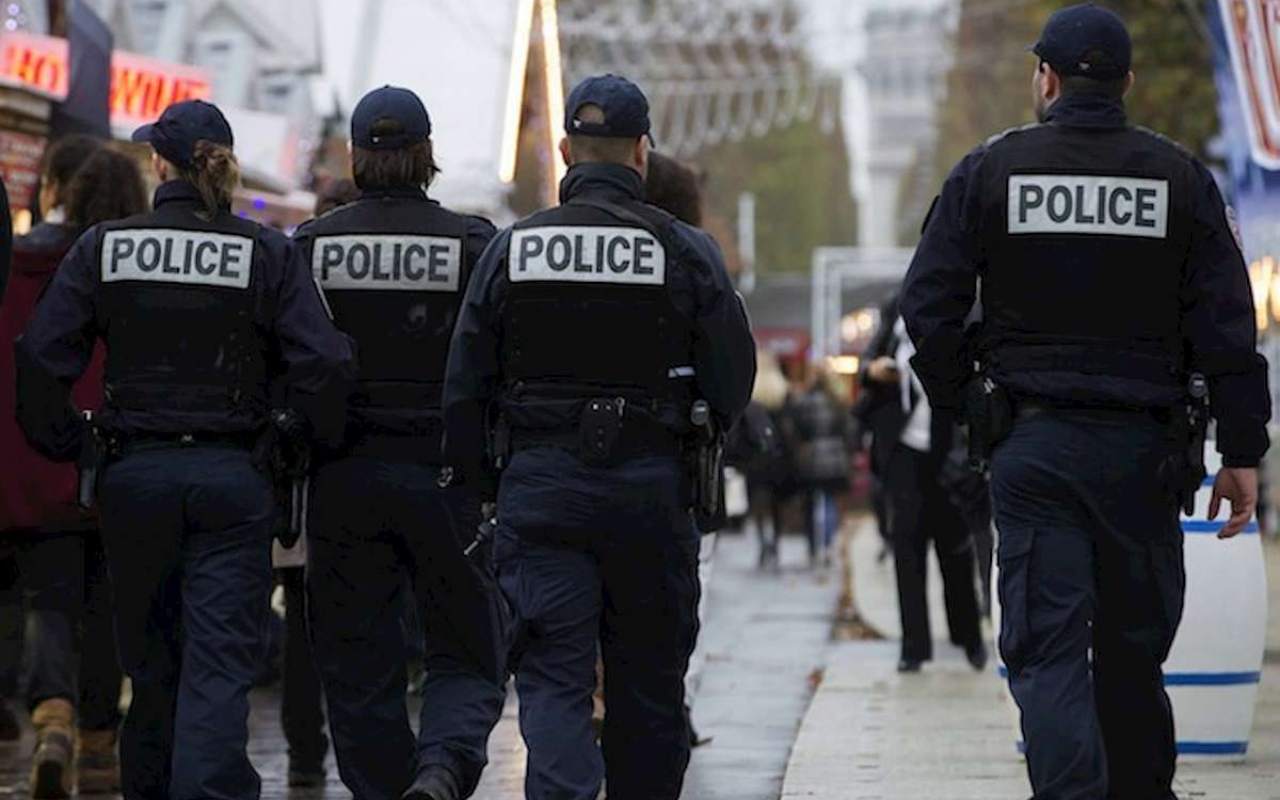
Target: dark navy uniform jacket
x,y
1109,271
289,333
723,350
393,267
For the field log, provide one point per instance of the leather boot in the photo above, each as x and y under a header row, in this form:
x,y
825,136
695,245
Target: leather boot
x,y
51,777
434,783
97,765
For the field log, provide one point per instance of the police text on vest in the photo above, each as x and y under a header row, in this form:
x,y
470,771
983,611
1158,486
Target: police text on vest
x,y
1088,204
587,254
165,255
396,262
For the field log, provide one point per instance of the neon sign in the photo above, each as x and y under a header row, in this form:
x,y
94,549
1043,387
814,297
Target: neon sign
x,y
141,87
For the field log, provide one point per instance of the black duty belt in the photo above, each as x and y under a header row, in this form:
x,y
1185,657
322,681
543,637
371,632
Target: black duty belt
x,y
146,442
1029,409
635,441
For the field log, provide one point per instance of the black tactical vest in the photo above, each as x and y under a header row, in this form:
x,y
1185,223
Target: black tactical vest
x,y
394,270
176,301
588,309
1085,236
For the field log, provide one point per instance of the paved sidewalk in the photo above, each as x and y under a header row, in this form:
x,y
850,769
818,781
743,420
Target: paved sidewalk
x,y
871,734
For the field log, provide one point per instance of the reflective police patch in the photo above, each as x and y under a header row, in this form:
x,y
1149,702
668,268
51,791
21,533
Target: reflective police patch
x,y
173,256
586,254
396,262
1088,204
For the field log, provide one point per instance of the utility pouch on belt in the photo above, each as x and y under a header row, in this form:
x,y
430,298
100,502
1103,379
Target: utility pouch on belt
x,y
599,429
989,414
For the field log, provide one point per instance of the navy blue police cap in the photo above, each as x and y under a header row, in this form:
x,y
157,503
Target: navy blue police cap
x,y
1088,41
626,109
175,134
389,104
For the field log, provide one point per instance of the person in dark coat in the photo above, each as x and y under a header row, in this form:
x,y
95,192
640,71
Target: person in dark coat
x,y
817,426
73,669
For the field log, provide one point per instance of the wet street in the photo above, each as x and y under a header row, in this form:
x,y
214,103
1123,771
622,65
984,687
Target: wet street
x,y
766,636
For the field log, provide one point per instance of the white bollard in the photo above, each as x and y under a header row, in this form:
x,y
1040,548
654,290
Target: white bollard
x,y
1215,668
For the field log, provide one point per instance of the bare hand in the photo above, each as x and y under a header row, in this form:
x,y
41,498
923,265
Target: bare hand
x,y
883,370
1239,486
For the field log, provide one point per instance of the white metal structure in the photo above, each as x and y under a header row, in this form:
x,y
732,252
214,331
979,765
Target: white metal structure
x,y
836,268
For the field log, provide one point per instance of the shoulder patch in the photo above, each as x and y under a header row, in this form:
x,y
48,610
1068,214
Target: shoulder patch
x,y
1030,126
1165,140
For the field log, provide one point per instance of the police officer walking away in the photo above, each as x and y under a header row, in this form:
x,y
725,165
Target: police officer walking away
x,y
1110,277
587,335
199,310
393,266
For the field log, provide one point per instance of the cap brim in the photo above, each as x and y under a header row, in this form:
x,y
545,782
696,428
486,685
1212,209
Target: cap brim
x,y
144,134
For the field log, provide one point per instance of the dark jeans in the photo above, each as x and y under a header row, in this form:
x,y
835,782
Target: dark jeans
x,y
301,705
1090,558
923,511
70,648
376,524
188,535
600,560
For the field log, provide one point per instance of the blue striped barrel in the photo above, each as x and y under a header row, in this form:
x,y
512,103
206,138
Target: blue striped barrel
x,y
1215,667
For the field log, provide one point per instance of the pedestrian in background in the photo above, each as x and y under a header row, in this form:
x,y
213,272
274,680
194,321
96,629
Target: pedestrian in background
x,y
818,428
923,512
1098,322
758,447
73,677
200,311
879,413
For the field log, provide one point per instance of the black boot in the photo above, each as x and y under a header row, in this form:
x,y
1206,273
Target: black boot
x,y
434,783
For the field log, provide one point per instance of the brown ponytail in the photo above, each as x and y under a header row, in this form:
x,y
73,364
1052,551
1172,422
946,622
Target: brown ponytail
x,y
215,173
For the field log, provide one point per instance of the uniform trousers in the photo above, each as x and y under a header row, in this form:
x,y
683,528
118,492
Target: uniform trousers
x,y
1091,589
600,559
377,527
188,538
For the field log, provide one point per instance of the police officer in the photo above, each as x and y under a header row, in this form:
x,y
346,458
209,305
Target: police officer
x,y
393,266
587,332
198,310
1109,275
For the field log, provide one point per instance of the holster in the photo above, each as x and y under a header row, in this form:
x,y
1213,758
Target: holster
x,y
708,471
988,411
94,452
284,454
1191,431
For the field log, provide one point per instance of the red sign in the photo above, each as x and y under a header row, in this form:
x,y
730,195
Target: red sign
x,y
140,87
20,155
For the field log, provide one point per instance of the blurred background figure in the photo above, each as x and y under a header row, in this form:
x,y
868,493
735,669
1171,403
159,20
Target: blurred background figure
x,y
757,448
336,192
879,413
923,510
73,675
818,428
301,693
